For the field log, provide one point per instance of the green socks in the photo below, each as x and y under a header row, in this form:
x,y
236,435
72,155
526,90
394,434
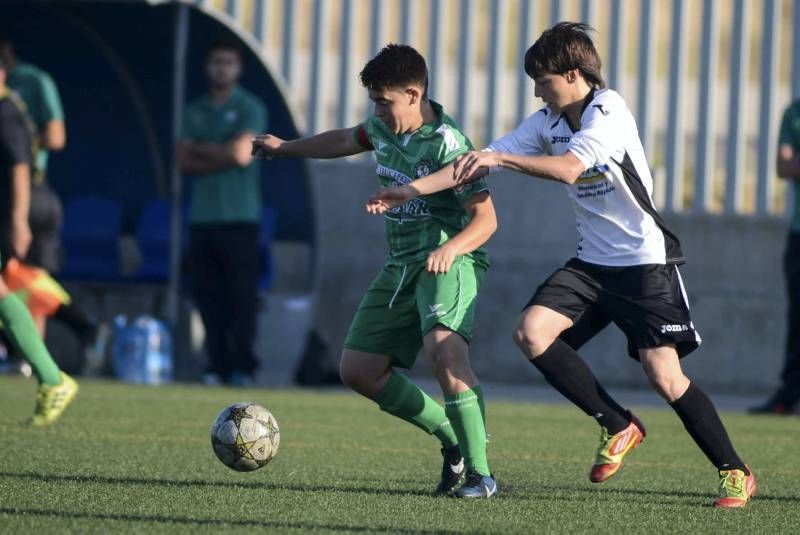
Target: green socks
x,y
402,398
465,412
479,392
25,337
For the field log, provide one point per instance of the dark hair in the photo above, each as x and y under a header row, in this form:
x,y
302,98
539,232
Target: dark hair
x,y
224,43
564,47
395,66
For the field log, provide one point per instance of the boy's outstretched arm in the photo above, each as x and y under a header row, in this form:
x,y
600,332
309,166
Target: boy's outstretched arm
x,y
330,144
387,198
482,224
564,168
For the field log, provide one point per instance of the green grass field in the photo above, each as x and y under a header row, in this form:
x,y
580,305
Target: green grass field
x,y
128,458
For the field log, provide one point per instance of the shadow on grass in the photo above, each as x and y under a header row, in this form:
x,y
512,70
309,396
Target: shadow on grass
x,y
611,493
261,485
507,491
159,519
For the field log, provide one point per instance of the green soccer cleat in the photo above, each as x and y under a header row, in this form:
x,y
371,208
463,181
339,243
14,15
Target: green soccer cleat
x,y
735,488
52,400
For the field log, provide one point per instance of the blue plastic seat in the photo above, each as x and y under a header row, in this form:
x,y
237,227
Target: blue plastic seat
x,y
91,239
153,235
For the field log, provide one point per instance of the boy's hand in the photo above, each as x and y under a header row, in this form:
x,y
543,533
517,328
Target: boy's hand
x,y
441,259
21,238
474,165
385,199
266,146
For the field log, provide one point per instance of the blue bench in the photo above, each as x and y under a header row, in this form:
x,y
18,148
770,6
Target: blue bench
x,y
90,238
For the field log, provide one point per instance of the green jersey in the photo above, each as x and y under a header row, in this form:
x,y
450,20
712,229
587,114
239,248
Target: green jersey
x,y
416,228
231,195
41,98
790,135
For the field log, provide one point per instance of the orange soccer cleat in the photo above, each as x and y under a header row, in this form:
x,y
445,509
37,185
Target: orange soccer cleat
x,y
613,448
735,488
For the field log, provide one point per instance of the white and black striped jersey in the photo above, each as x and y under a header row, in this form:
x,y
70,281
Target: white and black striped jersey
x,y
618,224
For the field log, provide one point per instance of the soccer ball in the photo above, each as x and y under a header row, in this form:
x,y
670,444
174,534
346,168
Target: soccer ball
x,y
245,436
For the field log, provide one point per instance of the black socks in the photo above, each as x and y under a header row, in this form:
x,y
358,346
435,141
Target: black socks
x,y
701,420
569,374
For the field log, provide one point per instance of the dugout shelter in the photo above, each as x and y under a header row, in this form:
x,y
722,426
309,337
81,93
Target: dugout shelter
x,y
124,70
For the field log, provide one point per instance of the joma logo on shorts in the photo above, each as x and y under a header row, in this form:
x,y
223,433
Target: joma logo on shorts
x,y
674,328
558,139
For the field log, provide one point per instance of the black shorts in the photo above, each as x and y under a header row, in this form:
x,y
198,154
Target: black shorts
x,y
647,302
45,220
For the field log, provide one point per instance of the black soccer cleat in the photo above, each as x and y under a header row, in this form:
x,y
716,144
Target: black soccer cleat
x,y
452,470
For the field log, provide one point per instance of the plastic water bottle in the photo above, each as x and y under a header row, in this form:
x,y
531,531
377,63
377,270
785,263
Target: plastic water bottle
x,y
142,351
158,358
126,352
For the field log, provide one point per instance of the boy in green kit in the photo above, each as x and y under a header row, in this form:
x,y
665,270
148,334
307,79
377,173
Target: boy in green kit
x,y
424,297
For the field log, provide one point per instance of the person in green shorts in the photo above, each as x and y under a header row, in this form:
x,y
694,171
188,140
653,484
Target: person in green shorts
x,y
424,297
56,389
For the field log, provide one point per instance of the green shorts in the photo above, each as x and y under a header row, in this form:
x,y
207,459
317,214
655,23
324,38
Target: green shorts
x,y
405,302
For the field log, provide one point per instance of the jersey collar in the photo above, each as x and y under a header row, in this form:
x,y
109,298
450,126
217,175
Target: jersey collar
x,y
233,96
586,101
428,129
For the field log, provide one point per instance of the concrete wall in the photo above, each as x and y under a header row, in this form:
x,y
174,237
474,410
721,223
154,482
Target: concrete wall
x,y
733,278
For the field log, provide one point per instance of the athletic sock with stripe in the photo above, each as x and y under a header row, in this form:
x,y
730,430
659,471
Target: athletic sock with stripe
x,y
464,412
568,373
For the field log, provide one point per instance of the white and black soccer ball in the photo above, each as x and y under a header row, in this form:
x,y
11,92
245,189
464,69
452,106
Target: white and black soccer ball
x,y
245,436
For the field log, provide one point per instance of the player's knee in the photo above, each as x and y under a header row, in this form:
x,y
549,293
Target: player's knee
x,y
522,338
533,339
364,380
448,359
350,375
670,386
521,335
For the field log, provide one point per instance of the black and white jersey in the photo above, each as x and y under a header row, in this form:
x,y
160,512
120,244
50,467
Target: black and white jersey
x,y
618,224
